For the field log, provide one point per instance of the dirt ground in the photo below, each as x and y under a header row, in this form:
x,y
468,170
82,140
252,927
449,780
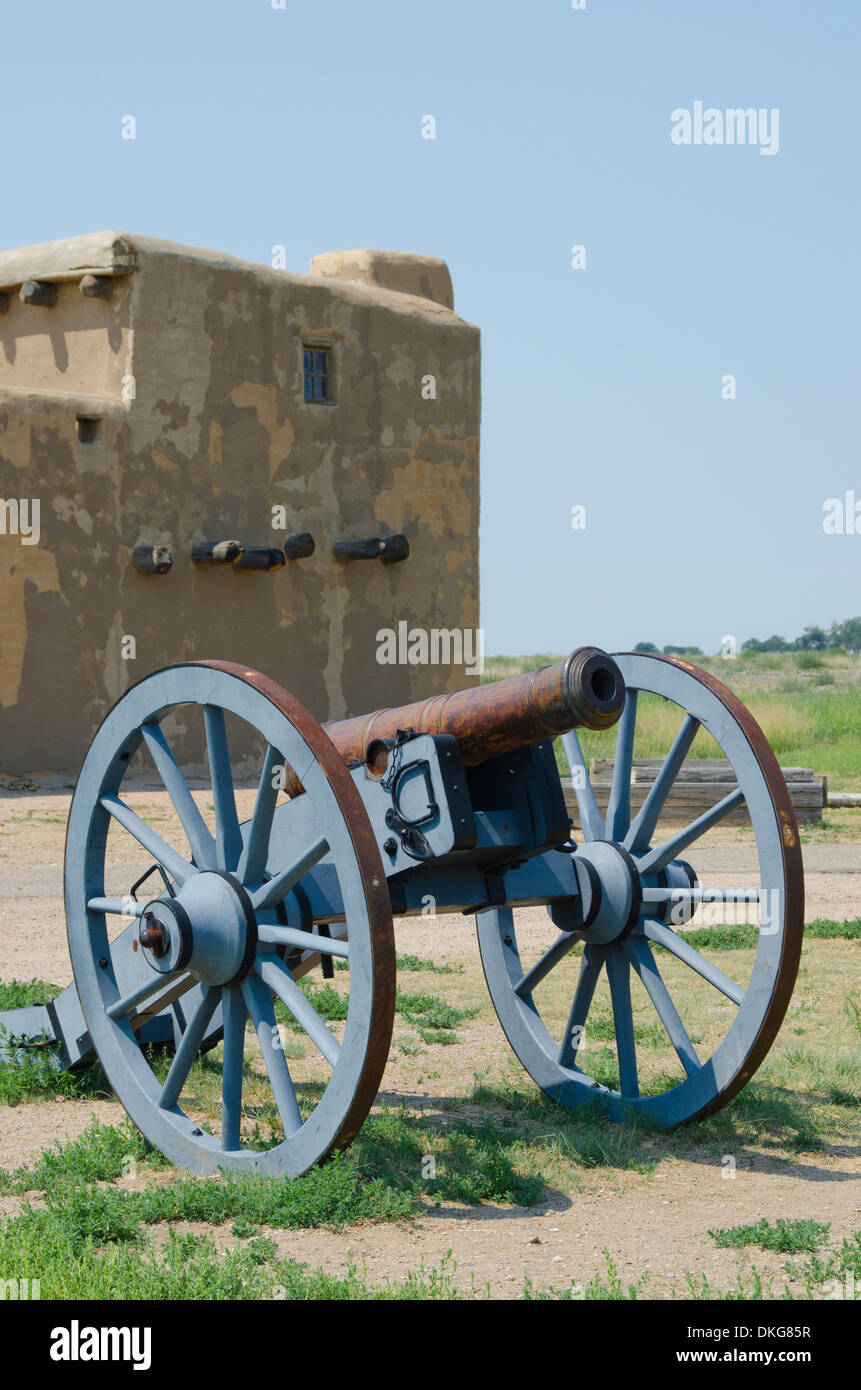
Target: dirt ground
x,y
657,1224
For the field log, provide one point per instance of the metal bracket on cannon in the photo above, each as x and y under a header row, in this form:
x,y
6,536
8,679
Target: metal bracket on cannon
x,y
415,791
465,838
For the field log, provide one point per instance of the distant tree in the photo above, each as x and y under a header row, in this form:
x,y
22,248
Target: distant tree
x,y
812,639
769,644
646,647
846,634
682,651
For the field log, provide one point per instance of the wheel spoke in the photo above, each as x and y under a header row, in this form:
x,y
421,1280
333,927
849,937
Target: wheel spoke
x,y
188,1048
619,975
560,948
200,840
276,975
178,868
252,860
590,968
643,825
127,1003
665,936
660,856
259,1003
277,888
618,816
122,907
305,940
228,837
640,956
233,1008
591,820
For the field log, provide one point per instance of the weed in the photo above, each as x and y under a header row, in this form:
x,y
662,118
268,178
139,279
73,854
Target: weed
x,y
416,963
21,994
785,1236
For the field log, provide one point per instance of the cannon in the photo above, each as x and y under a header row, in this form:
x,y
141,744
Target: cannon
x,y
454,805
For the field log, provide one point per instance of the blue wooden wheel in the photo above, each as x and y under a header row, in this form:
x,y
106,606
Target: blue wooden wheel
x,y
648,893
216,932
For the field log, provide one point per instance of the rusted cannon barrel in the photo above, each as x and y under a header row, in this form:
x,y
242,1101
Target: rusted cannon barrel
x,y
586,690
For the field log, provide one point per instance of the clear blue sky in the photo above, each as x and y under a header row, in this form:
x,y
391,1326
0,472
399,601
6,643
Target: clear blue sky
x,y
301,126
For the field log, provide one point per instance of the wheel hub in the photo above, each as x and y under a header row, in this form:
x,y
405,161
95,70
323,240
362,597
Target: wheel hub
x,y
621,893
209,928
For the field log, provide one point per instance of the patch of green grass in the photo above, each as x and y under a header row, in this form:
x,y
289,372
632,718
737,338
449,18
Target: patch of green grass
x,y
185,1267
429,1012
102,1153
597,1290
335,1195
835,1265
91,1214
39,1075
21,994
497,668
383,1177
789,1108
834,1073
581,1138
189,1267
330,1005
602,1065
470,1163
416,963
410,963
723,937
823,929
785,1236
720,937
766,1114
699,1289
243,1229
852,1010
601,1028
439,1037
818,726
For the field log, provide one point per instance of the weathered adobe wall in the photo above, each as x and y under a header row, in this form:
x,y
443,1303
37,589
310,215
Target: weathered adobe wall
x,y
216,434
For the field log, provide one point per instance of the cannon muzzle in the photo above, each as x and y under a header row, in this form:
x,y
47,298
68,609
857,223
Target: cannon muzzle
x,y
586,690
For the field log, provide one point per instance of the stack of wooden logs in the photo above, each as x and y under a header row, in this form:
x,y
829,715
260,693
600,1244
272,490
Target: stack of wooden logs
x,y
700,784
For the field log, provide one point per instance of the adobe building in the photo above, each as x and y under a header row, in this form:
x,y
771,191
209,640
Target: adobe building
x,y
157,399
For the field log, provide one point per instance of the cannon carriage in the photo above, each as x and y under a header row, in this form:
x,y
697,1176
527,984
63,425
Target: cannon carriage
x,y
456,804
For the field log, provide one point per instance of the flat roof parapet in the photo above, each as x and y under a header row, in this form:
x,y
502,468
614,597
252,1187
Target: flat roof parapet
x,y
426,277
97,254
